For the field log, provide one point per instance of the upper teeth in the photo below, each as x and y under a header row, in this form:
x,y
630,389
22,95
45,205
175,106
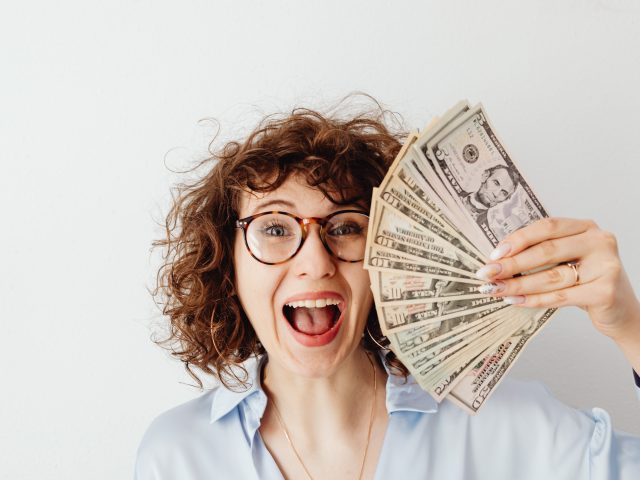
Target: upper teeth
x,y
320,303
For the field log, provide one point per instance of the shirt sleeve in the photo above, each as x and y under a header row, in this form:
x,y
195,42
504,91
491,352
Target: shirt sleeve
x,y
549,439
611,454
636,378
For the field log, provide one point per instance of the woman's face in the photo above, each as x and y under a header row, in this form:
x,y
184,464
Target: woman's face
x,y
315,339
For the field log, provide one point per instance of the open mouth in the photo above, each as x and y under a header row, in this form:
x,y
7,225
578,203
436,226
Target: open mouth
x,y
312,317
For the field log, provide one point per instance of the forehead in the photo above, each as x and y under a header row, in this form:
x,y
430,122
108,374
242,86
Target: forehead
x,y
294,196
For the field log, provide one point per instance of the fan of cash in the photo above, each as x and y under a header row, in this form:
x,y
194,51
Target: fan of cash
x,y
452,193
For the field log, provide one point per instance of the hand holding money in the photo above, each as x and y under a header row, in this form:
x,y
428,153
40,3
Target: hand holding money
x,y
588,274
452,194
454,211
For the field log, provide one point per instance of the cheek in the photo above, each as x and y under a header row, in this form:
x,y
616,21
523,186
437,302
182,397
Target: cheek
x,y
255,284
246,280
359,282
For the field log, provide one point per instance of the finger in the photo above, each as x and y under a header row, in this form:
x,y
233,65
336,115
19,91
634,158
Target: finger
x,y
546,253
582,296
556,278
544,229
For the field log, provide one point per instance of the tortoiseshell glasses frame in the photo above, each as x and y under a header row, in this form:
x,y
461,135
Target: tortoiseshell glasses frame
x,y
302,234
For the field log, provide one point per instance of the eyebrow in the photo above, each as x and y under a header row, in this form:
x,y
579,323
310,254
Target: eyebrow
x,y
261,206
269,203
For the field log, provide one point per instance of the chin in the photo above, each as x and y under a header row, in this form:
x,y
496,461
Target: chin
x,y
315,361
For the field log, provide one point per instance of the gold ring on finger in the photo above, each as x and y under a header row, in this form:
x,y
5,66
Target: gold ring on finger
x,y
576,273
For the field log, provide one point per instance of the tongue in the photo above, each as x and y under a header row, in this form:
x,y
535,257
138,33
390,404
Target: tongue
x,y
312,321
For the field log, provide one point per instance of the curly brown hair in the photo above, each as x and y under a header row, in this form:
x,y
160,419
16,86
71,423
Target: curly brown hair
x,y
344,156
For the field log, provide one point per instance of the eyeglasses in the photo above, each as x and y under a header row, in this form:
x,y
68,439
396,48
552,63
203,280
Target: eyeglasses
x,y
275,237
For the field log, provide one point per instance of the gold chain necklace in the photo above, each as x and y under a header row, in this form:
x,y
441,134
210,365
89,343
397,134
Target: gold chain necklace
x,y
366,447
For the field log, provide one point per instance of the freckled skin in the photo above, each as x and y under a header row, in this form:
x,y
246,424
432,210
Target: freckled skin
x,y
263,289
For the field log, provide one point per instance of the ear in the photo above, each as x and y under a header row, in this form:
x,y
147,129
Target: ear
x,y
485,175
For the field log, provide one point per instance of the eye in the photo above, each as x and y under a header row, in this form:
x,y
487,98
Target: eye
x,y
275,229
345,228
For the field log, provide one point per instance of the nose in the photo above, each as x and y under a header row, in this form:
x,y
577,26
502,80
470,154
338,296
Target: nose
x,y
313,260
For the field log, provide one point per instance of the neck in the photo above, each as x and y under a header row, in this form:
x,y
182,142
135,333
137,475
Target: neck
x,y
339,400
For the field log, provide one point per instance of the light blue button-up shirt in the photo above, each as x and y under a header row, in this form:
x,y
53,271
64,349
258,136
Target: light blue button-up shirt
x,y
522,433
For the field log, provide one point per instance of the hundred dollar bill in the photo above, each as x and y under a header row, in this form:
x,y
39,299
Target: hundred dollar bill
x,y
482,178
395,232
479,382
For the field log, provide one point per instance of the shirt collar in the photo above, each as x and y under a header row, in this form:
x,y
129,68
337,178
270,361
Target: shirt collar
x,y
225,400
401,395
407,395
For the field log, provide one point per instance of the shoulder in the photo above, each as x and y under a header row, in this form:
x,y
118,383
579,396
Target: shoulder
x,y
181,443
523,432
526,414
197,438
177,425
515,399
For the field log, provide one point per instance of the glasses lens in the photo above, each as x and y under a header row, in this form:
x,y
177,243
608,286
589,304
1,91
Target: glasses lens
x,y
346,235
273,238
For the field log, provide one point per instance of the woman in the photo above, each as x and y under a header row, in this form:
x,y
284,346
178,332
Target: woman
x,y
306,391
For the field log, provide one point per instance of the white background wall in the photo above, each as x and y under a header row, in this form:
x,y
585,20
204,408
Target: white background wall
x,y
96,96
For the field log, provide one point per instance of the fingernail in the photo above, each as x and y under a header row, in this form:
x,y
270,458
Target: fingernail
x,y
491,288
515,300
489,271
500,251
